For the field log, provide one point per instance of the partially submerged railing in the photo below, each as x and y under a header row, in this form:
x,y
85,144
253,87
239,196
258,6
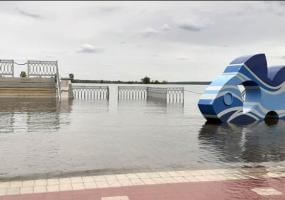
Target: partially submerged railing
x,y
169,95
7,68
157,93
175,95
132,92
91,92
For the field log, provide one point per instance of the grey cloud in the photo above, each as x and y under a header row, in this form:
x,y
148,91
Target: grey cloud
x,y
279,3
180,30
104,10
109,8
155,55
149,32
276,7
190,27
183,58
88,48
28,14
166,27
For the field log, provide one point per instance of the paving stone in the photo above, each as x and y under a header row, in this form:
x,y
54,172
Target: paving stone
x,y
65,187
78,186
40,182
3,191
30,183
16,184
40,189
4,184
27,190
102,184
99,178
53,188
13,190
266,191
115,198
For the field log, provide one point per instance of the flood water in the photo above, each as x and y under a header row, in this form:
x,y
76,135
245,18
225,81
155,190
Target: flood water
x,y
44,138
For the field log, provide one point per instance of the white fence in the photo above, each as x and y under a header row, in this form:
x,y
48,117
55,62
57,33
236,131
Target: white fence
x,y
132,92
90,92
7,68
35,68
169,95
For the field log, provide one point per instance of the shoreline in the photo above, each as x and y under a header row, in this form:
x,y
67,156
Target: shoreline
x,y
133,82
107,172
82,183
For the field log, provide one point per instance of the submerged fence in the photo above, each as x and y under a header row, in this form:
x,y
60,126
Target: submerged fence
x,y
132,92
169,95
175,94
90,92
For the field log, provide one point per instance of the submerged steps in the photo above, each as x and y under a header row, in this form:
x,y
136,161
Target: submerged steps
x,y
27,87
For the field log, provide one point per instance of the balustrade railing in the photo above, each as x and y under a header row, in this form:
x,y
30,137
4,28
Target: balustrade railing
x,y
42,68
35,68
132,92
175,95
7,68
90,92
169,95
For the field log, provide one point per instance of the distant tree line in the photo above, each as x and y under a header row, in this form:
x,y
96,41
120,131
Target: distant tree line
x,y
145,80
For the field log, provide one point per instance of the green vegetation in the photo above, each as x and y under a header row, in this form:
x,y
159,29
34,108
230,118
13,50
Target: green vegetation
x,y
146,80
23,74
71,76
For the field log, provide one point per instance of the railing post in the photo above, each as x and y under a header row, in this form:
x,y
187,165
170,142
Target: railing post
x,y
6,67
119,92
147,93
108,93
12,68
28,70
58,81
183,95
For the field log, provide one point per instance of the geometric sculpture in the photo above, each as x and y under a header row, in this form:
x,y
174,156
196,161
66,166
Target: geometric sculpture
x,y
263,96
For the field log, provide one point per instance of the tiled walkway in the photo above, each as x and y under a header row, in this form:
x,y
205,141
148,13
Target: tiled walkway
x,y
254,183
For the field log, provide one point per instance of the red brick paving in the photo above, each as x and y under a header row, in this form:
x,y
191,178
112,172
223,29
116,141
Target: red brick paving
x,y
212,190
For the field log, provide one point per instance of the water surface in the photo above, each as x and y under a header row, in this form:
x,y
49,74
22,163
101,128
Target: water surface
x,y
45,138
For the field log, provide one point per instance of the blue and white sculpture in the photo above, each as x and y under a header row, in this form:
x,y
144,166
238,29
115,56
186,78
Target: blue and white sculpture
x,y
264,93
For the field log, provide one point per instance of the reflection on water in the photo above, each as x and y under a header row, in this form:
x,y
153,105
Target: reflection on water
x,y
34,105
247,144
31,114
43,136
28,105
155,105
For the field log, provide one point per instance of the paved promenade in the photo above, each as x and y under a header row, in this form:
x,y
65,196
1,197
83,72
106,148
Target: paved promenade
x,y
216,184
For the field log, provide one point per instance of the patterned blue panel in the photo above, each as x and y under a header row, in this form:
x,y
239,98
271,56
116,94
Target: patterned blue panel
x,y
264,92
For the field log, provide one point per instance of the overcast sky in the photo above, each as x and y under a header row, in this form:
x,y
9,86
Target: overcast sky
x,y
174,41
